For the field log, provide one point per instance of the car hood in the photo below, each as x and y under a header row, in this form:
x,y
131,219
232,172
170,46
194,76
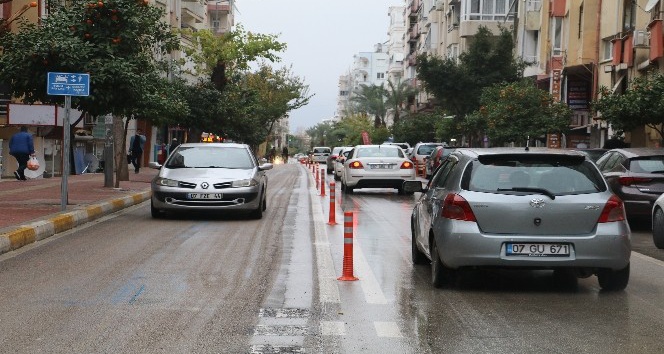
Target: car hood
x,y
216,174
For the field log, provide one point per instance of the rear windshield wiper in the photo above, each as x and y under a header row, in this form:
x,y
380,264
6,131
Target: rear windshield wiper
x,y
546,192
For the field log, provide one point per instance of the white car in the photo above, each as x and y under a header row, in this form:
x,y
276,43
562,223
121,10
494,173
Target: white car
x,y
339,162
658,222
320,153
376,166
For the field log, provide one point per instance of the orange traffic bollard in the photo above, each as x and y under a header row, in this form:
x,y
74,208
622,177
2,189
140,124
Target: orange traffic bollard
x,y
322,183
333,197
347,271
317,177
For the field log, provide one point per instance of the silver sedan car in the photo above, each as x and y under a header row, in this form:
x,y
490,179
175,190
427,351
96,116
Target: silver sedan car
x,y
514,208
210,176
376,166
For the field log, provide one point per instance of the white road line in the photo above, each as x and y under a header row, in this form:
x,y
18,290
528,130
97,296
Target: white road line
x,y
648,259
332,328
387,329
370,286
328,288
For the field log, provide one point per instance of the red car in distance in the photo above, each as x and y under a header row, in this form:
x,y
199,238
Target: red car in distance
x,y
433,160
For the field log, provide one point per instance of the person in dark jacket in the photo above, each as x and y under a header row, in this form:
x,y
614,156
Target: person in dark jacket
x,y
21,146
136,145
175,143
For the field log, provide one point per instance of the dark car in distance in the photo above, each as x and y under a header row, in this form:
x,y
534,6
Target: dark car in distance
x,y
636,176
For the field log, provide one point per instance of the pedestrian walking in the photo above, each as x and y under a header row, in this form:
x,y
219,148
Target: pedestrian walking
x,y
174,143
21,146
272,154
136,145
284,154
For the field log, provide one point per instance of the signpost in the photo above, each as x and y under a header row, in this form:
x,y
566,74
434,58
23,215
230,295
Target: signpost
x,y
67,84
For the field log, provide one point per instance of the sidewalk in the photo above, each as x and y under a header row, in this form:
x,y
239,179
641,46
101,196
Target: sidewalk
x,y
31,210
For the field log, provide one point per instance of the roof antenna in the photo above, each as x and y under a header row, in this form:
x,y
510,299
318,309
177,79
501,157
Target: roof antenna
x,y
528,143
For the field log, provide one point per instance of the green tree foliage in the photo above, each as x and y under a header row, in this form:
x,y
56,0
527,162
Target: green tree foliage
x,y
371,99
515,111
397,95
118,42
642,104
457,87
418,127
320,134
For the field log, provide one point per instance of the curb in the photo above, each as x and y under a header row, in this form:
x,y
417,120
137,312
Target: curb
x,y
39,230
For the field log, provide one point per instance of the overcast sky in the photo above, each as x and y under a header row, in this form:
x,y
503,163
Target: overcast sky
x,y
322,37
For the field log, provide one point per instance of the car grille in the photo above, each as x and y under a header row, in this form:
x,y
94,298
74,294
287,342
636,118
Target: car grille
x,y
186,185
222,185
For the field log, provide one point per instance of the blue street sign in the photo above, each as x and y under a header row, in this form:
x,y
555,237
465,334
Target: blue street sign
x,y
68,84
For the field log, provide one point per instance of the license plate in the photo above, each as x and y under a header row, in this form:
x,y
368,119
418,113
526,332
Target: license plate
x,y
380,166
204,195
538,249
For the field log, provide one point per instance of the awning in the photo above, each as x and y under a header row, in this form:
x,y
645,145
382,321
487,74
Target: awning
x,y
581,70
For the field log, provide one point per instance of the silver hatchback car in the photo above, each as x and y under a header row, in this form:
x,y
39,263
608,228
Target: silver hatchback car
x,y
210,176
513,208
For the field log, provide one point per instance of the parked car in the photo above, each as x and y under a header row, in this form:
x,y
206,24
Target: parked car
x,y
320,153
339,162
419,152
376,166
509,208
404,146
215,177
658,222
593,154
332,158
635,175
437,155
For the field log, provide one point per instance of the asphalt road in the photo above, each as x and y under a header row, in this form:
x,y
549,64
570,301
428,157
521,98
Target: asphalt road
x,y
205,284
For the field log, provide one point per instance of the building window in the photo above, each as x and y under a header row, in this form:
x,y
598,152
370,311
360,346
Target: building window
x,y
531,47
580,21
380,76
557,33
486,10
607,49
629,15
453,51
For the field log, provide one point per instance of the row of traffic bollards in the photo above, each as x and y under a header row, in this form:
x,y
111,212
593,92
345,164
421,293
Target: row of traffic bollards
x,y
319,177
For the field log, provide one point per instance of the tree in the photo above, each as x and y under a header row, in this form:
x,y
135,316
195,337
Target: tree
x,y
397,94
120,43
371,100
641,105
515,111
418,127
457,87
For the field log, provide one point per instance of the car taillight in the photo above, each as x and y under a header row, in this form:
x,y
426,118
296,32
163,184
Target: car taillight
x,y
407,165
456,207
333,158
355,164
628,181
614,210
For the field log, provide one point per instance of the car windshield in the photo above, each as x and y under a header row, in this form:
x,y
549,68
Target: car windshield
x,y
321,151
647,164
550,174
210,157
382,151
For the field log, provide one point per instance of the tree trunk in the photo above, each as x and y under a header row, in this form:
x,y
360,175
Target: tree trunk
x,y
119,139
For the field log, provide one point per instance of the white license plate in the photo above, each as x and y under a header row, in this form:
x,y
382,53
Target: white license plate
x,y
380,167
204,195
538,249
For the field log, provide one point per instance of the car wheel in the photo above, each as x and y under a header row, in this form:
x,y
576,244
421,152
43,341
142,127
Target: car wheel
x,y
258,212
658,229
417,255
440,274
613,280
156,213
264,201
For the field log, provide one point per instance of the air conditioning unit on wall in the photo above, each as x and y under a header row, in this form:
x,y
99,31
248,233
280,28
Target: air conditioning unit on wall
x,y
641,39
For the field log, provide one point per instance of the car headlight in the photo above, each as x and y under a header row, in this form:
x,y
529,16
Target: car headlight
x,y
166,182
244,183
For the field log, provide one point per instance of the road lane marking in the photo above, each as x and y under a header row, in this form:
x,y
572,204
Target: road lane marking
x,y
373,294
332,328
648,259
387,329
272,349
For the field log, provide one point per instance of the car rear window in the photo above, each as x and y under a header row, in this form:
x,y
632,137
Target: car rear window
x,y
383,151
647,164
425,149
321,150
557,174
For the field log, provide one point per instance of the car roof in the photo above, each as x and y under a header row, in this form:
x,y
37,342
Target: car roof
x,y
475,152
635,152
233,145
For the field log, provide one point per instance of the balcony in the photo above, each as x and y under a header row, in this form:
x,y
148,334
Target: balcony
x,y
193,12
414,32
656,40
219,7
414,7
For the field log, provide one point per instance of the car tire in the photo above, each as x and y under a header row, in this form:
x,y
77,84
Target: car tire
x,y
258,212
417,256
156,213
613,280
440,274
658,229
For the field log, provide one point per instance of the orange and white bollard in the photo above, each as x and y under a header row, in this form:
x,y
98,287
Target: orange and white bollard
x,y
333,197
317,176
347,271
322,183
